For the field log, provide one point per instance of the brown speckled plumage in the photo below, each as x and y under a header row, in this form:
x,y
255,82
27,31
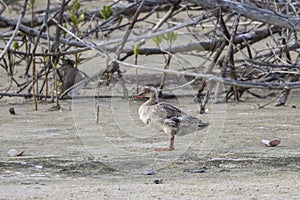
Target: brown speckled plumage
x,y
168,118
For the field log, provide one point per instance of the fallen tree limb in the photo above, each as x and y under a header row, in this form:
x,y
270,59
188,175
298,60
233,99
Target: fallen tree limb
x,y
211,77
252,12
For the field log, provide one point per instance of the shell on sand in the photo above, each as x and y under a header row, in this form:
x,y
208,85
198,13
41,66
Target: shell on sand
x,y
272,143
14,152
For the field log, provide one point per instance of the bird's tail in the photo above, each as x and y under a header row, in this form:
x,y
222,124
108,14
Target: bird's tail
x,y
202,124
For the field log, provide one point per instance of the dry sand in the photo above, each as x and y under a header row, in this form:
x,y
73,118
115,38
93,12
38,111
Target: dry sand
x,y
68,156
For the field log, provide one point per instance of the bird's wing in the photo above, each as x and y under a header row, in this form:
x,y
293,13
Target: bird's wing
x,y
162,111
169,110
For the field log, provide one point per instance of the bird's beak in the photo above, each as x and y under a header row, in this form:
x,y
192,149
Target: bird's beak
x,y
138,96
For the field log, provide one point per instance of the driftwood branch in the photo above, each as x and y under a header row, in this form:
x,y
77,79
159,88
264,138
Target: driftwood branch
x,y
229,81
252,12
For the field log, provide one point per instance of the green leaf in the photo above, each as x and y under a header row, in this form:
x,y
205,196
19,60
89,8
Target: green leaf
x,y
32,2
157,40
136,50
170,36
77,5
105,12
74,7
16,45
56,65
81,17
73,18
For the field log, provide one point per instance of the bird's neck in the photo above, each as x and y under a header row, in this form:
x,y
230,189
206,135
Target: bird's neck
x,y
152,100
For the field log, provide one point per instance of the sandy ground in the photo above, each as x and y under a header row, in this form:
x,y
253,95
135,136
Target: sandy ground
x,y
69,156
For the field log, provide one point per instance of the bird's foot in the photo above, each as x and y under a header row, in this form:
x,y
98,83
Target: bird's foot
x,y
165,149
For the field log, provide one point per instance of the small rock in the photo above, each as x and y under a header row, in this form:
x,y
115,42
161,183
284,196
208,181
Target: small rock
x,y
149,172
201,170
12,110
27,182
158,181
38,167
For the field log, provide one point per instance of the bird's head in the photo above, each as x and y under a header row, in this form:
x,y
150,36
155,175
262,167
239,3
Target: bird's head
x,y
147,91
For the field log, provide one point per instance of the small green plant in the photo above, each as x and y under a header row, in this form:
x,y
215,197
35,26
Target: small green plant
x,y
12,59
105,12
157,40
136,50
170,36
76,15
16,46
76,20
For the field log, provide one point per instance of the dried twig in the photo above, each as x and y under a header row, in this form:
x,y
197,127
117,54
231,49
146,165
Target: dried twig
x,y
18,23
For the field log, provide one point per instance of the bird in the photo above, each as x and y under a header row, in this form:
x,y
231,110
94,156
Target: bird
x,y
166,117
70,78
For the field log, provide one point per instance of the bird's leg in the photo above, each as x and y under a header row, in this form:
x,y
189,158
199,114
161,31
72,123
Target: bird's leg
x,y
172,143
170,148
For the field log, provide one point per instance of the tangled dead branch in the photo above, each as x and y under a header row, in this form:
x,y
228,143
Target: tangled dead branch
x,y
244,45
